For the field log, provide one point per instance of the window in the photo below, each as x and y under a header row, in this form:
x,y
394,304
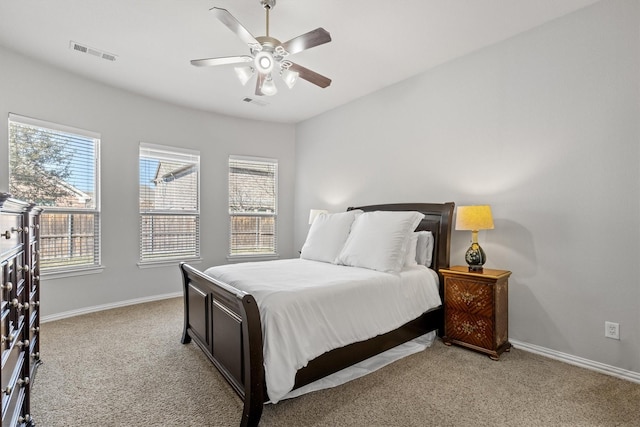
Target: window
x,y
169,204
253,207
57,168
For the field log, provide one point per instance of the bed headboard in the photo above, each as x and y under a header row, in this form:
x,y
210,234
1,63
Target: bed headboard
x,y
438,218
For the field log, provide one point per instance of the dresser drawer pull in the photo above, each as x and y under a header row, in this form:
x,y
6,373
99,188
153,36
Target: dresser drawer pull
x,y
23,382
35,329
25,419
7,390
9,338
15,303
7,286
21,344
36,355
24,268
7,234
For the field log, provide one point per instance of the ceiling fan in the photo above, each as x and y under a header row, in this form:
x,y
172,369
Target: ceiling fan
x,y
268,55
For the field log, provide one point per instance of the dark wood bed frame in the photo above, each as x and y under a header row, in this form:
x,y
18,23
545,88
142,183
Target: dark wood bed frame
x,y
225,322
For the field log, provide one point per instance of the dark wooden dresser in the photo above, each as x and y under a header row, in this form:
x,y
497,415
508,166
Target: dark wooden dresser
x,y
20,280
476,309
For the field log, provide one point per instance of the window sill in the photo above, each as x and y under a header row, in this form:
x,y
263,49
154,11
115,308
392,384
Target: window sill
x,y
168,262
59,274
245,258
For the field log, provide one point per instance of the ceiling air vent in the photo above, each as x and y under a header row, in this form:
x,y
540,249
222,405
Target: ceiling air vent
x,y
255,102
91,51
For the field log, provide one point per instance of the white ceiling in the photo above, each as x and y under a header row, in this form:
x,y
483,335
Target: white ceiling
x,y
374,44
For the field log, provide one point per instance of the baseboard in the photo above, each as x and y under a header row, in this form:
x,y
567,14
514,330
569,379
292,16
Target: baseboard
x,y
95,308
543,351
578,361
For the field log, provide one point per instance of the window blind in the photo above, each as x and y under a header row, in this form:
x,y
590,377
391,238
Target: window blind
x,y
57,168
253,187
169,203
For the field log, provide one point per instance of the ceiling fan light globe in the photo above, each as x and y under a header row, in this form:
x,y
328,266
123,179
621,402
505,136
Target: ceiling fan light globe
x,y
269,87
264,62
244,74
290,77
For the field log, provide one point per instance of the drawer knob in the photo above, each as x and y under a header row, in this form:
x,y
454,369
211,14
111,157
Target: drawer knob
x,y
25,419
9,338
23,382
21,344
6,234
35,329
36,355
15,303
7,286
24,268
7,390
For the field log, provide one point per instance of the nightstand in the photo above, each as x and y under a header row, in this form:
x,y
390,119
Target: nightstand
x,y
476,309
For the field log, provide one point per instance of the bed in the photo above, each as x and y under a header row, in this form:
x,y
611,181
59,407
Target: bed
x,y
227,323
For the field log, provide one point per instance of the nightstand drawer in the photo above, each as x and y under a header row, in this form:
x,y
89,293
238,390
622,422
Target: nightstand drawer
x,y
473,329
470,296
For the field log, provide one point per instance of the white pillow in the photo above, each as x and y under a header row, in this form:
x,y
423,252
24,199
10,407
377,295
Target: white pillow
x,y
424,249
410,259
327,235
378,240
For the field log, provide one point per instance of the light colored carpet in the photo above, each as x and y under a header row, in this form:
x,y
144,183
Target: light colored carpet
x,y
126,367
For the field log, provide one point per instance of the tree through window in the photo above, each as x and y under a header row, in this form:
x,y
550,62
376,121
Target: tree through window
x,y
57,168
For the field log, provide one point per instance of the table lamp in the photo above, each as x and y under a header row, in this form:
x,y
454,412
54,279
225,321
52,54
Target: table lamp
x,y
474,218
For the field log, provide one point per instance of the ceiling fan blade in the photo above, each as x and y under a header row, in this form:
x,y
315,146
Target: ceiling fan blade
x,y
310,76
307,41
232,23
225,60
259,82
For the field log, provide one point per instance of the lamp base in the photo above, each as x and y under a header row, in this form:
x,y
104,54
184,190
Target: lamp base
x,y
475,258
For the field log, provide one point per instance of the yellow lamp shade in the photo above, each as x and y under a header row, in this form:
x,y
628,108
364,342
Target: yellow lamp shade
x,y
474,218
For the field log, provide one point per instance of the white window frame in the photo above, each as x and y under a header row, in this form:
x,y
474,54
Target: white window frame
x,y
70,269
163,152
253,255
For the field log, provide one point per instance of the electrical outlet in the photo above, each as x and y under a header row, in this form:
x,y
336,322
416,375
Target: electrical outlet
x,y
612,330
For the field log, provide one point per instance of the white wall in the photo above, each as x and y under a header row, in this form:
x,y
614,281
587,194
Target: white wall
x,y
544,128
123,119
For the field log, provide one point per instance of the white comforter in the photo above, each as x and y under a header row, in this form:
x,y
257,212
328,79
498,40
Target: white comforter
x,y
308,308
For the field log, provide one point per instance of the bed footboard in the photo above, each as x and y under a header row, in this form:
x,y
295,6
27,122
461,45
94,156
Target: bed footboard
x,y
225,323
